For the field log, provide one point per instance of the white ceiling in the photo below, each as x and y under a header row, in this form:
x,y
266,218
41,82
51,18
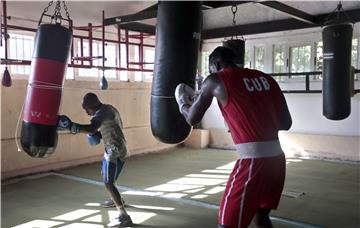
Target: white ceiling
x,y
83,12
320,7
254,12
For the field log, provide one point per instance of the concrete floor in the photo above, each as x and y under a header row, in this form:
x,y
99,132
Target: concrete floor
x,y
179,188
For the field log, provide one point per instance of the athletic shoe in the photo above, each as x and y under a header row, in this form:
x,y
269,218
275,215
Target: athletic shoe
x,y
108,203
122,221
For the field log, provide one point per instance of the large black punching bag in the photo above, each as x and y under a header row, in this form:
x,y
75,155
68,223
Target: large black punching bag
x,y
238,47
337,40
177,45
42,102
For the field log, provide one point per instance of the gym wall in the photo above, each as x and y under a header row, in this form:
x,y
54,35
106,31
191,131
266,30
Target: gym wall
x,y
132,100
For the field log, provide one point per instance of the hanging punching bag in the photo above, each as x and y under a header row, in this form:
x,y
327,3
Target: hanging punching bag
x,y
177,45
6,80
337,40
42,102
238,47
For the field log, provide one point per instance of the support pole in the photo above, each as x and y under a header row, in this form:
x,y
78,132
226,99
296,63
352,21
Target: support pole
x,y
5,29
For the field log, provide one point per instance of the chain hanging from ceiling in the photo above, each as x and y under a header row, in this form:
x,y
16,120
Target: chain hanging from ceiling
x,y
56,17
338,16
234,9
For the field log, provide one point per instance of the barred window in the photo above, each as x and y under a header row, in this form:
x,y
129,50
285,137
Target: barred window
x,y
259,58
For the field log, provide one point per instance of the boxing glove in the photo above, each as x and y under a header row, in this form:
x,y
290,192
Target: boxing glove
x,y
75,128
64,123
94,139
184,95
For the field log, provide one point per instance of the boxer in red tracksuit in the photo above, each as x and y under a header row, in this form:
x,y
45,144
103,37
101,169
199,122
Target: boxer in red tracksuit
x,y
254,109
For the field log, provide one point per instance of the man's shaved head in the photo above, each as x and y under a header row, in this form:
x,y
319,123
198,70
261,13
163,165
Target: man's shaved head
x,y
90,100
222,53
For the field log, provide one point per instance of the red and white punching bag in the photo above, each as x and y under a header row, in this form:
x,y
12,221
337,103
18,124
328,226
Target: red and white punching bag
x,y
42,102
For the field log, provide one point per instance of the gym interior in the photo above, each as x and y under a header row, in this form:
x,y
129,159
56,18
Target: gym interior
x,y
115,47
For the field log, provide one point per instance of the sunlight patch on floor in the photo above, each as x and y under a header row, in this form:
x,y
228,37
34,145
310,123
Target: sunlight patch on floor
x,y
136,217
194,190
215,190
175,195
228,166
173,187
77,214
39,223
142,193
216,171
96,218
153,207
200,196
197,181
208,176
82,225
196,185
93,204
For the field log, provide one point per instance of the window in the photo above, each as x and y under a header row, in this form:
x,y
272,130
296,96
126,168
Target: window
x,y
280,59
116,55
2,54
247,61
138,76
123,60
134,57
149,58
69,73
204,71
319,56
148,76
124,76
92,72
21,47
259,58
300,59
110,55
354,53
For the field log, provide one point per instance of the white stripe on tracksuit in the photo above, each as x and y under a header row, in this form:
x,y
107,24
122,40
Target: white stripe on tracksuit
x,y
243,194
116,170
227,195
107,172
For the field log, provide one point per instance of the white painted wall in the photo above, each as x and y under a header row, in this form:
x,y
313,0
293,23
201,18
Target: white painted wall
x,y
306,111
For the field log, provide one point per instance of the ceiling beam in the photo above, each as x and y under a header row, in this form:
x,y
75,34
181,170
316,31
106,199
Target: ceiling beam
x,y
143,15
293,12
271,26
151,12
139,27
255,28
218,4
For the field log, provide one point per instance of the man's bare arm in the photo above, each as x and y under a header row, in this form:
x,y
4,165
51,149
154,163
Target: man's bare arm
x,y
89,128
195,112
